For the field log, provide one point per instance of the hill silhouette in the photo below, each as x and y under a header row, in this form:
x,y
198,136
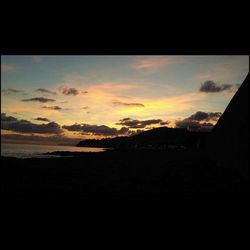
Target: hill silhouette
x,y
157,138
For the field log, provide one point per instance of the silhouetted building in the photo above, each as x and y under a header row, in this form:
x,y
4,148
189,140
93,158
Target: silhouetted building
x,y
229,141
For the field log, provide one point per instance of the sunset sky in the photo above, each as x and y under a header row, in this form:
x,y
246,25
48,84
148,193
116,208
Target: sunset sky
x,y
62,99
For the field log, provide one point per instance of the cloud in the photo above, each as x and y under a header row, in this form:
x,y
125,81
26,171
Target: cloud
x,y
86,107
212,87
37,59
138,124
24,126
46,91
138,131
8,68
14,90
187,123
207,124
128,104
84,92
152,63
197,118
51,107
96,130
203,116
38,99
124,96
164,123
54,139
9,91
42,119
69,91
5,118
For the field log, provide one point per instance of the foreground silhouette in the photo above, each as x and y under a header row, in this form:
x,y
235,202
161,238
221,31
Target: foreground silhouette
x,y
143,172
230,138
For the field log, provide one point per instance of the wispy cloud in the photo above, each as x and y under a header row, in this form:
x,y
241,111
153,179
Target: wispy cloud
x,y
37,59
38,99
151,64
9,91
8,68
128,104
42,90
225,69
52,107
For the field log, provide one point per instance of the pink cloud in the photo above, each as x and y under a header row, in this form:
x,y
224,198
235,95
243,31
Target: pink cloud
x,y
152,63
37,59
8,68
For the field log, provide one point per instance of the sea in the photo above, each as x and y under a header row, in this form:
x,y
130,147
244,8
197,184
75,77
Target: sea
x,y
37,151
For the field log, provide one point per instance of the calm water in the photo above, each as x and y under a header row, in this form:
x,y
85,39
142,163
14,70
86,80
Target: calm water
x,y
27,150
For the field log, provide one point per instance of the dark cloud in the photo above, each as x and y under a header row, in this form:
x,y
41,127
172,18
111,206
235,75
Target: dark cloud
x,y
14,90
86,107
207,124
24,126
51,107
96,130
69,91
128,104
9,91
38,99
5,118
57,139
197,118
42,119
46,91
164,123
138,131
136,123
203,116
212,87
186,123
84,92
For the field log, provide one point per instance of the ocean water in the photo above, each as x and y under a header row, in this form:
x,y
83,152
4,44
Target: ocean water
x,y
28,150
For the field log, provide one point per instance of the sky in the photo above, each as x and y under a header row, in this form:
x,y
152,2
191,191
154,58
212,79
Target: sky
x,y
64,99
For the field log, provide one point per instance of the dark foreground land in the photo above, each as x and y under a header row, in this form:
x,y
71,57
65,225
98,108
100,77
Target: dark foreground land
x,y
121,172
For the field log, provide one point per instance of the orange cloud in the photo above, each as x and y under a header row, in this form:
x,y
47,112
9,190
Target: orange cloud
x,y
19,109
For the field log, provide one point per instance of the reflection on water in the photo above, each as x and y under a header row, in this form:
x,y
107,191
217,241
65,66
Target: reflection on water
x,y
27,150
